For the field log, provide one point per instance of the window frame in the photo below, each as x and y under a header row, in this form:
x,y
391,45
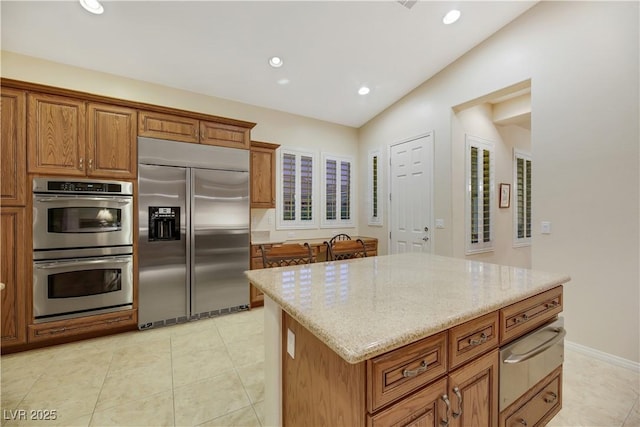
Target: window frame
x,y
338,222
522,241
489,146
374,189
298,222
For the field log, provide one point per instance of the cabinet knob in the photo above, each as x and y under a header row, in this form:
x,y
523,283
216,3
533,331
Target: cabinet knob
x,y
2,285
90,164
81,163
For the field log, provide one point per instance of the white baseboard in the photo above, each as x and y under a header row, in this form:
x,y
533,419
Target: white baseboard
x,y
601,355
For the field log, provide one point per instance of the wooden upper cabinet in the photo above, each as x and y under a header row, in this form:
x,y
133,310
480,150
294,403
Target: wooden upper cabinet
x,y
187,129
167,126
212,133
56,134
13,160
263,169
111,141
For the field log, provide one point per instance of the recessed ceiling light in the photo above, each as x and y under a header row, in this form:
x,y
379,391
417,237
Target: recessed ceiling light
x,y
92,6
364,90
275,61
452,16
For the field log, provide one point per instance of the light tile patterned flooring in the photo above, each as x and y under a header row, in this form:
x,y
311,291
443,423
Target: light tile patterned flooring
x,y
211,373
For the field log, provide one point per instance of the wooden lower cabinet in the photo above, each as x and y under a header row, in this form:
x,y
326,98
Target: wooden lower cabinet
x,y
320,388
12,274
425,408
473,392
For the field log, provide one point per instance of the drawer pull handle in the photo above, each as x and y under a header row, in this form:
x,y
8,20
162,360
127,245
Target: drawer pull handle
x,y
413,372
445,422
552,304
551,399
521,319
482,340
455,414
523,422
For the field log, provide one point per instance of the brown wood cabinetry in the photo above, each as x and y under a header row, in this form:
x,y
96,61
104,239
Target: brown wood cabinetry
x,y
409,386
125,319
188,129
67,136
13,149
12,274
111,141
524,316
263,169
13,217
472,339
473,392
56,134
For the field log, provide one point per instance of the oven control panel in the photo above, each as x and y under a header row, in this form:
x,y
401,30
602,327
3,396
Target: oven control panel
x,y
49,185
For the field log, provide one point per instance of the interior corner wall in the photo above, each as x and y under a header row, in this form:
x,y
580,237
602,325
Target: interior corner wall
x,y
478,121
582,59
288,130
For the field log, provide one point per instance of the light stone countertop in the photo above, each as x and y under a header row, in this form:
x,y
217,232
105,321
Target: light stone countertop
x,y
365,307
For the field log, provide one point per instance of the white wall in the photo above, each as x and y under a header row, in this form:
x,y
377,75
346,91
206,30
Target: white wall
x,y
277,127
582,59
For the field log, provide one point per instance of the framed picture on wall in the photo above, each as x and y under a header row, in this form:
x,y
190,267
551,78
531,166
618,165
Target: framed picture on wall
x,y
505,195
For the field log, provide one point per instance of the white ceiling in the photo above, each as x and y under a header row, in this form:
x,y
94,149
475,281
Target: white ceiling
x,y
330,48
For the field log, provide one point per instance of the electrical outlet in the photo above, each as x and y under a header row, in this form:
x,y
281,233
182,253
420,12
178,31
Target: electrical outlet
x,y
439,223
291,234
291,343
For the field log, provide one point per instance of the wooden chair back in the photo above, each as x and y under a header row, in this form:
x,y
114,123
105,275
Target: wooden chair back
x,y
286,254
346,249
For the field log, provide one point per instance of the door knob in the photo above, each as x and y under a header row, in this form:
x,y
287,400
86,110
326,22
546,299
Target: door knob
x,y
426,229
425,238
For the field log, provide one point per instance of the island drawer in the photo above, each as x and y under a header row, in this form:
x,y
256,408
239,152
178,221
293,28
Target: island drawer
x,y
399,372
538,405
524,316
473,338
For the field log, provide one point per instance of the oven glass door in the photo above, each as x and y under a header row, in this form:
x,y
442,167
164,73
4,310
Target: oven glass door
x,y
79,287
81,221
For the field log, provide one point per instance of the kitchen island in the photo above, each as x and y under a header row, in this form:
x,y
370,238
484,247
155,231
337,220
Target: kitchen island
x,y
379,340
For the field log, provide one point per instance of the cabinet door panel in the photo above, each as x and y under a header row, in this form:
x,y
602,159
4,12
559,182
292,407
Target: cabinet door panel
x,y
13,161
424,408
212,133
263,168
56,135
167,126
112,142
473,390
12,274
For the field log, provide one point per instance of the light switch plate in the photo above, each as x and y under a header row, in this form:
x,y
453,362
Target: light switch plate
x,y
545,227
439,223
291,343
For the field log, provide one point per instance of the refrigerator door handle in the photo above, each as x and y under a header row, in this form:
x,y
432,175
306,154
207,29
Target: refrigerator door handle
x,y
190,244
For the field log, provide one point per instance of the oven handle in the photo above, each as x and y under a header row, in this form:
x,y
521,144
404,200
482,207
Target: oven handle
x,y
56,264
517,358
93,199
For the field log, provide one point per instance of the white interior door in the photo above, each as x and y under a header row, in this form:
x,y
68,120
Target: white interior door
x,y
411,193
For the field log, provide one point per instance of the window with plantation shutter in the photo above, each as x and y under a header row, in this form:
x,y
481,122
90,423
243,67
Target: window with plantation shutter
x,y
295,188
375,210
338,192
480,195
522,211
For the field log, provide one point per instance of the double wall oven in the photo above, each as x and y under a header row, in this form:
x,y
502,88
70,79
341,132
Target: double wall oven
x,y
82,247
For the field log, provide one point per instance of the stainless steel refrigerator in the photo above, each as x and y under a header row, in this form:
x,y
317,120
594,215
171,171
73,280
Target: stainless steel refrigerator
x,y
193,243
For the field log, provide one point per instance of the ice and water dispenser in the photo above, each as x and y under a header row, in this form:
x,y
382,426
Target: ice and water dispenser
x,y
164,223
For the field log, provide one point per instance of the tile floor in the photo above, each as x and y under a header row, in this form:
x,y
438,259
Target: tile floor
x,y
210,373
